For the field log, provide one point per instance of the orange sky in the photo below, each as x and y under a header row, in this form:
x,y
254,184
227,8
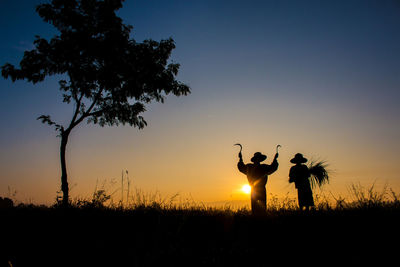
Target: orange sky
x,y
194,155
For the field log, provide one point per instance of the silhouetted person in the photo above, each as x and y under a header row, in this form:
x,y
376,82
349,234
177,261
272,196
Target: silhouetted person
x,y
299,174
257,175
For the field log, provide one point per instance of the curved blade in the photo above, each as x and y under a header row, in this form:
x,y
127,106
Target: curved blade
x,y
277,147
239,145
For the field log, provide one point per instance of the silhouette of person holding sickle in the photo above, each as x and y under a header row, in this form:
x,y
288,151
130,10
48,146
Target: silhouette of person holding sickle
x,y
257,175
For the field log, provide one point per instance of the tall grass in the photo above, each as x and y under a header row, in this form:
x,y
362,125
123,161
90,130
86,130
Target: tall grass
x,y
134,198
370,197
109,195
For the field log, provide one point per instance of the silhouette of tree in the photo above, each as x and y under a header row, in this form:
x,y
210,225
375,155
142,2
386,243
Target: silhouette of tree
x,y
109,76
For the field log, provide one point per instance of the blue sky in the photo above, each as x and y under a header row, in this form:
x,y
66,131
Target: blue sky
x,y
319,77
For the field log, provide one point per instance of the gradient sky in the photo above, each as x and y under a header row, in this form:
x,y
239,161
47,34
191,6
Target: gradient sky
x,y
318,77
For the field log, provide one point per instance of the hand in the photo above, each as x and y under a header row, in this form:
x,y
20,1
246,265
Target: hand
x,y
276,156
240,156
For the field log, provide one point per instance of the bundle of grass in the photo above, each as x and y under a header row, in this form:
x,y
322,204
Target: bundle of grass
x,y
319,173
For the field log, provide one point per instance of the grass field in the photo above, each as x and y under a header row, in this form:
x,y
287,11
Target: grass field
x,y
364,232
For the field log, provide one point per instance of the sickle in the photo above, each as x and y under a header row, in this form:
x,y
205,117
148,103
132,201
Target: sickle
x,y
240,147
277,147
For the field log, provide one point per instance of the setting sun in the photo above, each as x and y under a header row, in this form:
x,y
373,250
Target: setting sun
x,y
246,189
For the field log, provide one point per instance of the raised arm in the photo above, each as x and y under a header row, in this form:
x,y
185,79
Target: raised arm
x,y
274,165
241,166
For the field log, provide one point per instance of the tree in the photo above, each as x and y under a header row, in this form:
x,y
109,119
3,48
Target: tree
x,y
109,76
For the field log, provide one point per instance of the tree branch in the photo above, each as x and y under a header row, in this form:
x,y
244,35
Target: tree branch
x,y
87,112
78,106
94,113
47,119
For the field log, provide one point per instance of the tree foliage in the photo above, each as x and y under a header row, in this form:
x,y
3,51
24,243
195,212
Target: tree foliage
x,y
110,76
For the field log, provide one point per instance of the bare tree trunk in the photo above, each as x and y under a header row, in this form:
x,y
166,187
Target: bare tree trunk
x,y
64,181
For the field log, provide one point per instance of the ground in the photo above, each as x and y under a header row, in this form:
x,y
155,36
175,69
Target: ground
x,y
153,236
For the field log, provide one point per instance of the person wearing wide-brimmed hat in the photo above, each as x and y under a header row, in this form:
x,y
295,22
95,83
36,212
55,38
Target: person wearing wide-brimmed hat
x,y
257,175
300,174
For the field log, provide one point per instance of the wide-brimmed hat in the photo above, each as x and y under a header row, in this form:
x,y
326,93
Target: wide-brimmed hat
x,y
258,157
298,158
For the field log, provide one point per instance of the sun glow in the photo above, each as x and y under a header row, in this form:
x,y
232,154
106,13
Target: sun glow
x,y
246,189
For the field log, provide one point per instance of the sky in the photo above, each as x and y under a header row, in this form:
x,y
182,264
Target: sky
x,y
318,77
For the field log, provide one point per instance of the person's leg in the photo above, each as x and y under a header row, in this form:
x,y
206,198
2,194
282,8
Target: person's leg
x,y
263,199
300,200
253,202
258,204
